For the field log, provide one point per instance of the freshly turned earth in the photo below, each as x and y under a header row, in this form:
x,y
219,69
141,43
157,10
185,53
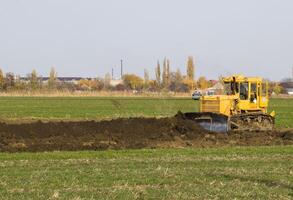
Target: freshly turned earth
x,y
126,133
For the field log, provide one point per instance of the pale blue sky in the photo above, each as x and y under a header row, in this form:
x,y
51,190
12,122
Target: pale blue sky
x,y
89,37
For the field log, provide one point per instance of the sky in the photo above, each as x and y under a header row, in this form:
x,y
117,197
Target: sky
x,y
89,37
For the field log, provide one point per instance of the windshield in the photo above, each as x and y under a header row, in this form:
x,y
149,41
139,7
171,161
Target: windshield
x,y
244,91
228,90
231,88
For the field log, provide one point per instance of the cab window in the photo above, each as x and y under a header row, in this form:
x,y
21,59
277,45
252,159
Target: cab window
x,y
231,88
253,92
228,89
264,90
244,91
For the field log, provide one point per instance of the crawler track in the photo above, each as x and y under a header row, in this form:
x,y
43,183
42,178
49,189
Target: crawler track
x,y
252,122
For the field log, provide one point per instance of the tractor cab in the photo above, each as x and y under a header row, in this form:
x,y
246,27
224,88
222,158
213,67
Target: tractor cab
x,y
251,93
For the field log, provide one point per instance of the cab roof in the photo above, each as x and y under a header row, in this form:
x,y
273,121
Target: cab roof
x,y
241,78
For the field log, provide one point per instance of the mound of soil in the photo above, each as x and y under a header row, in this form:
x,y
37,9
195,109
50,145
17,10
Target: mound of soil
x,y
132,133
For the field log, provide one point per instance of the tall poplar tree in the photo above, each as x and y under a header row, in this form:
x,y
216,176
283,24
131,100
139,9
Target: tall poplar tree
x,y
158,74
33,80
52,79
190,68
146,78
2,80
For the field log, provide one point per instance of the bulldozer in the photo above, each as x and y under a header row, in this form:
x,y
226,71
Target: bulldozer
x,y
243,106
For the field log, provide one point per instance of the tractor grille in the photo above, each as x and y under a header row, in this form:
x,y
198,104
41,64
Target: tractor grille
x,y
210,106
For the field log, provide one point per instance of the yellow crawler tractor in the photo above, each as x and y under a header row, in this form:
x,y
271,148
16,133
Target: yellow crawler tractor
x,y
242,107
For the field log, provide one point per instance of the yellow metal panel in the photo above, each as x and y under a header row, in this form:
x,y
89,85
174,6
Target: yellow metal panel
x,y
243,105
226,105
217,104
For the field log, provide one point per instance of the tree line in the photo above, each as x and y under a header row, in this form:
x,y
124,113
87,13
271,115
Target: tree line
x,y
168,80
165,80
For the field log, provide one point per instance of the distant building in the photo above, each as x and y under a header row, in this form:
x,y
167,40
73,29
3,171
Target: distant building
x,y
73,80
290,91
116,82
288,86
216,89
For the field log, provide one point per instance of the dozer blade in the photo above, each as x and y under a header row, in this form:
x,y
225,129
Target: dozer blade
x,y
210,121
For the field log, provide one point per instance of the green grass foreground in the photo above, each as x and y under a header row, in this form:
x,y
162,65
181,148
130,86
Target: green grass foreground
x,y
88,108
224,173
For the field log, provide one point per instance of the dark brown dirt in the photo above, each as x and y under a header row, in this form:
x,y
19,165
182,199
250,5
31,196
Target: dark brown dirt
x,y
132,133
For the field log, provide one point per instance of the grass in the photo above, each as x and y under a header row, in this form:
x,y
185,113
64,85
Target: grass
x,y
103,107
224,173
284,110
91,107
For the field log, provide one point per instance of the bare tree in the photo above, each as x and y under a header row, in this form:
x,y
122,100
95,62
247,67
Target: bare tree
x,y
203,82
190,68
2,80
175,81
33,80
9,80
133,81
146,79
178,75
52,79
166,73
107,81
158,74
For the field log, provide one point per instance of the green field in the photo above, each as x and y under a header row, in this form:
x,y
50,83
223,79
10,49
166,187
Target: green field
x,y
101,108
90,107
225,173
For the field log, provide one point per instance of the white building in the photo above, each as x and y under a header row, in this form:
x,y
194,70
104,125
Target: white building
x,y
116,82
290,91
288,86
